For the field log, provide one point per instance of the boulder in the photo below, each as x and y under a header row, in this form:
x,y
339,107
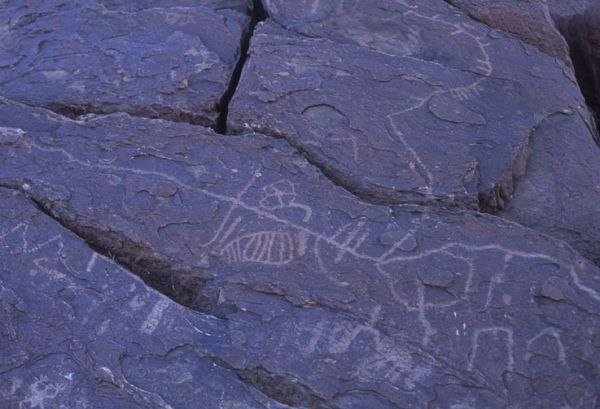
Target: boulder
x,y
308,295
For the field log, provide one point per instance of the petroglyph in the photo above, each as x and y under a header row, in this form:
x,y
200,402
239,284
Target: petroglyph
x,y
281,195
497,278
10,305
332,258
91,263
41,393
545,334
153,319
349,238
496,332
266,247
483,66
388,360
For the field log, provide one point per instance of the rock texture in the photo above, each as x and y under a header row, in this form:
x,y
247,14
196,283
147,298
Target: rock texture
x,y
537,22
530,20
334,250
381,123
160,59
559,192
79,332
401,96
297,281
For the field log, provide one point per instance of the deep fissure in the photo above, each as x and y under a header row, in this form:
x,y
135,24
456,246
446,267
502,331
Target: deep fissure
x,y
258,14
75,112
582,34
181,286
282,389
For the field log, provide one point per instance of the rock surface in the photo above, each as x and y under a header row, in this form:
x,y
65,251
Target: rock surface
x,y
77,331
162,59
530,20
317,294
559,191
381,123
332,250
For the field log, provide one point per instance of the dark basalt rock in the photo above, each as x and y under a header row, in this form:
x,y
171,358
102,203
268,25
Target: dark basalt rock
x,y
383,125
317,299
559,191
77,331
332,251
145,58
530,20
384,119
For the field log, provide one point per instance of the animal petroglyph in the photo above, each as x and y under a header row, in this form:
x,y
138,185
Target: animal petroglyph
x,y
265,247
237,239
482,65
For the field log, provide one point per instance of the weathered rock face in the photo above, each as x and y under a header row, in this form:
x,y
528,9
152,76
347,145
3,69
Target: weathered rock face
x,y
318,295
565,29
382,122
77,331
382,125
145,58
559,192
529,20
537,22
330,252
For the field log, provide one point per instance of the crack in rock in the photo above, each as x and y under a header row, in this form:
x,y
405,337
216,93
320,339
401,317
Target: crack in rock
x,y
582,33
281,389
181,285
258,14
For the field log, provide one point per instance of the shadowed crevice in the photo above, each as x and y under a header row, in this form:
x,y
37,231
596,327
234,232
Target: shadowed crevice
x,y
258,14
582,33
181,285
75,112
285,390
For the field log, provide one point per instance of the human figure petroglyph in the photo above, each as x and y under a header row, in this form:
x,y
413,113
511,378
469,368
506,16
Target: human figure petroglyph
x,y
555,335
410,292
387,359
495,331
